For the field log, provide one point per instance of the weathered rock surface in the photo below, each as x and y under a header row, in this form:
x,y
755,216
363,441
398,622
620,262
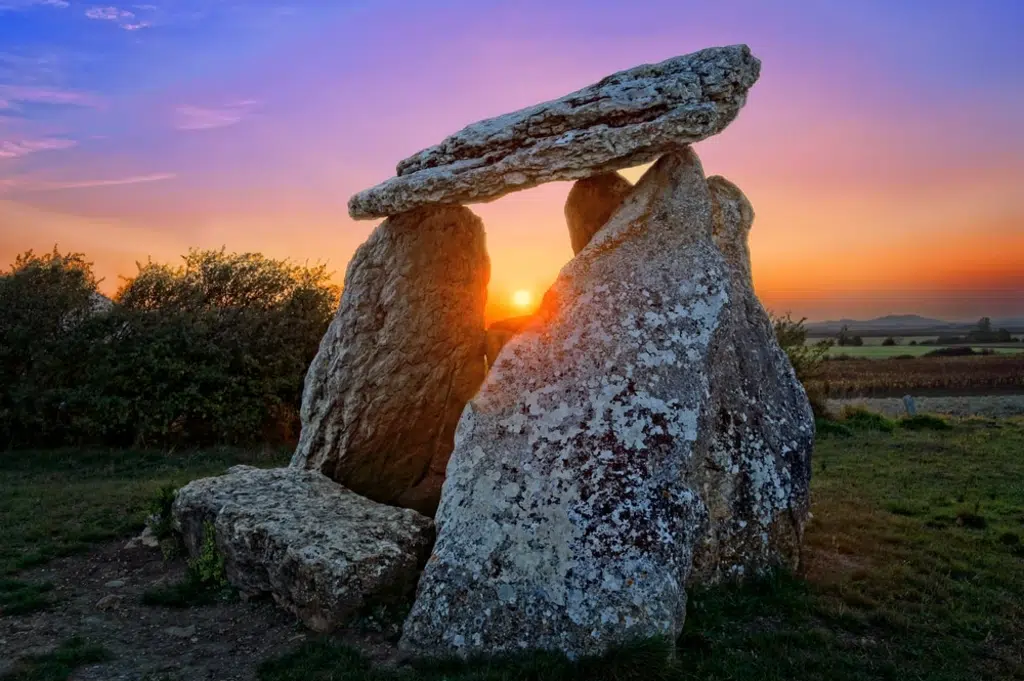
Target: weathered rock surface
x,y
575,499
321,551
754,477
567,520
590,203
404,354
627,119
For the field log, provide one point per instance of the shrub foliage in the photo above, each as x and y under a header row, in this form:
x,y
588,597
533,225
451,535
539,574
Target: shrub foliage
x,y
212,351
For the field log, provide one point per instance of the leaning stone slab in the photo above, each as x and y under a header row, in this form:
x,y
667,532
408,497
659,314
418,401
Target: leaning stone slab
x,y
321,551
627,119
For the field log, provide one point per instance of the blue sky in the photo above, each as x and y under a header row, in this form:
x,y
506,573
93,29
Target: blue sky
x,y
882,147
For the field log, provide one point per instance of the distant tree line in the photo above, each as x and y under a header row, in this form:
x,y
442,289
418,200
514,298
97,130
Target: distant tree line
x,y
213,351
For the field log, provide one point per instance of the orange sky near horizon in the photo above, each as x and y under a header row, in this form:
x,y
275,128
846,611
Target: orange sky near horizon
x,y
881,149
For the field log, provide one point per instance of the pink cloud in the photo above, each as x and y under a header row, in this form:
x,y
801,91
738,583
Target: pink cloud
x,y
205,118
27,184
19,148
10,94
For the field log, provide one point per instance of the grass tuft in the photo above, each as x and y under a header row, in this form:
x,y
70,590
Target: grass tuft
x,y
22,598
830,428
972,520
325,660
858,418
61,663
924,422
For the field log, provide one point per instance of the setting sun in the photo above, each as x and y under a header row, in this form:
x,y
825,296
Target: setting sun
x,y
522,299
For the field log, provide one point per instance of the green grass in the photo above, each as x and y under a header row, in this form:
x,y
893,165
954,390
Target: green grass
x,y
324,660
914,564
21,598
60,501
914,570
59,665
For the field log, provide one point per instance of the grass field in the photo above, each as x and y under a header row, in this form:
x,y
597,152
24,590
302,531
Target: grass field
x,y
914,564
61,501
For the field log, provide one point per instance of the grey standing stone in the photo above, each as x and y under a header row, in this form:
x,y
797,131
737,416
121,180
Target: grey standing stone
x,y
567,520
627,119
910,405
590,203
404,354
321,551
755,476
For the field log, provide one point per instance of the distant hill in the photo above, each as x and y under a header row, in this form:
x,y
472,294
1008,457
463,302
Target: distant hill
x,y
905,324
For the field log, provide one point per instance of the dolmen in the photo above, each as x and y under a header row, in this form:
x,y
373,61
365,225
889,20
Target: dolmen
x,y
643,432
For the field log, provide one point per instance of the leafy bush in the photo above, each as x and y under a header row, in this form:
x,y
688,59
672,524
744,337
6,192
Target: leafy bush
x,y
858,418
807,358
205,581
44,299
208,566
212,351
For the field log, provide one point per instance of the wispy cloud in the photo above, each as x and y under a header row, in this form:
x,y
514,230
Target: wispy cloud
x,y
24,147
12,94
14,5
108,13
205,118
29,185
126,19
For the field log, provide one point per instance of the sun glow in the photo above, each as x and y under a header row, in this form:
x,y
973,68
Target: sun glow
x,y
522,299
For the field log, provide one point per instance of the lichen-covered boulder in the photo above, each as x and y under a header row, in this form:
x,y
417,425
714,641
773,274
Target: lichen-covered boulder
x,y
590,203
401,358
754,477
620,436
323,552
568,520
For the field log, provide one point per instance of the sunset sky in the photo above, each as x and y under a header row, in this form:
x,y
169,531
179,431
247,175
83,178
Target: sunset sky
x,y
883,147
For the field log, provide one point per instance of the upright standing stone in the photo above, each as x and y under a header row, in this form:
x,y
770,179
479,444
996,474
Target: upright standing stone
x,y
568,520
590,203
404,354
755,476
627,119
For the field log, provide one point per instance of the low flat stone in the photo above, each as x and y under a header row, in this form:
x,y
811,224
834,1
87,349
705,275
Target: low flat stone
x,y
627,119
322,551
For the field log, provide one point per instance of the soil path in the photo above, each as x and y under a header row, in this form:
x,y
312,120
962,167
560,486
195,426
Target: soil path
x,y
98,596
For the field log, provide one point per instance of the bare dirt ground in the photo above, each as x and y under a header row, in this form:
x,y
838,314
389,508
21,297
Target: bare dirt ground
x,y
98,596
991,406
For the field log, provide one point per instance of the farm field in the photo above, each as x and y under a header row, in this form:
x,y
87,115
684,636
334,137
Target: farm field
x,y
914,569
886,351
978,375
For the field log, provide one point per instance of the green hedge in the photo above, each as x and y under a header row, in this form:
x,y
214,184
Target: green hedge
x,y
212,351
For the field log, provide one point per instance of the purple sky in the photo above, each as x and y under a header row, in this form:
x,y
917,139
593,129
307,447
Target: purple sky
x,y
882,148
